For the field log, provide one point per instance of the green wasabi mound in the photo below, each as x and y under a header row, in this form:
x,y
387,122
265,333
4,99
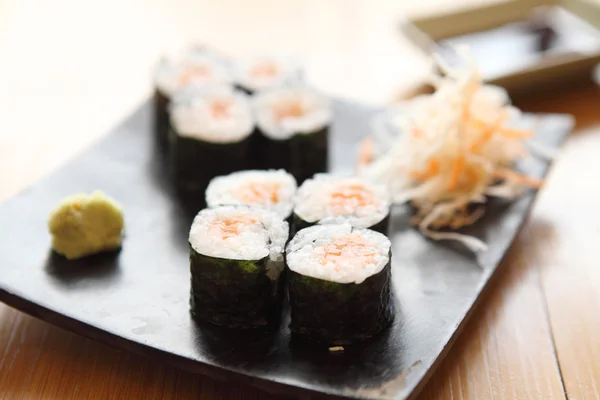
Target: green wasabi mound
x,y
85,224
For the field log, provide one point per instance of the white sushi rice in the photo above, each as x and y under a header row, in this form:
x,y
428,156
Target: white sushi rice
x,y
289,110
239,233
192,67
216,114
326,199
260,73
269,189
338,253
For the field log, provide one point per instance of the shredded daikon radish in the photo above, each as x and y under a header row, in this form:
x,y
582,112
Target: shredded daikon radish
x,y
452,149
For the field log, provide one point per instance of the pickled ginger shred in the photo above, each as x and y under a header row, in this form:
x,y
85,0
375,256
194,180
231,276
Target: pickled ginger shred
x,y
454,148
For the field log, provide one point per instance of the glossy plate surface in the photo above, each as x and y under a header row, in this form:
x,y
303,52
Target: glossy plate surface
x,y
138,299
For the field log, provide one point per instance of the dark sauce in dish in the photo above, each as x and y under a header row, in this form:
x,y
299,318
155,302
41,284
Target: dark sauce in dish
x,y
549,32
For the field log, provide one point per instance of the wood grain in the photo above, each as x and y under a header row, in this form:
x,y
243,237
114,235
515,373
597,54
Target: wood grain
x,y
570,273
507,350
70,70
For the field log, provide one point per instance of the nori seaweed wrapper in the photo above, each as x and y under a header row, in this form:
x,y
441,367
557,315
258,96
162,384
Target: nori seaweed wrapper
x,y
236,293
269,153
196,162
302,155
244,89
161,118
340,313
298,223
381,227
310,154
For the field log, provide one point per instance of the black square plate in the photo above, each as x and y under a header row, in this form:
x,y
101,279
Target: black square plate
x,y
138,299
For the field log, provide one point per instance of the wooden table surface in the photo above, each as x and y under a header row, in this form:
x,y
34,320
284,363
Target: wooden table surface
x,y
70,70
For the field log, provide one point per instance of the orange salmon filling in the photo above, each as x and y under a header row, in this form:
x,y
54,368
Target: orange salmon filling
x,y
230,227
192,73
346,248
220,108
264,70
258,193
293,109
350,197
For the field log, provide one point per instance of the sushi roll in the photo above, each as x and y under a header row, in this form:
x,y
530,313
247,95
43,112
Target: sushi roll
x,y
236,263
196,66
326,199
269,189
339,283
210,136
293,124
262,73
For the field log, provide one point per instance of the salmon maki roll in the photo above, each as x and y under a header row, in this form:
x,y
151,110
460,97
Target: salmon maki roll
x,y
210,136
236,264
257,74
327,199
195,66
272,190
339,283
292,130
